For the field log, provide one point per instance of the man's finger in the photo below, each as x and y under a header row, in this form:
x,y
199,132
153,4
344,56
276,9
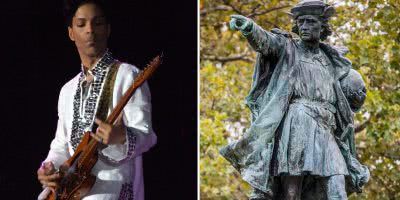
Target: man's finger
x,y
46,168
103,136
43,177
40,171
96,137
49,177
102,125
99,139
101,133
99,130
98,122
52,184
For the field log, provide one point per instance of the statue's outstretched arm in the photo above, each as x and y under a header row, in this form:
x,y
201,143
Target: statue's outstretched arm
x,y
262,41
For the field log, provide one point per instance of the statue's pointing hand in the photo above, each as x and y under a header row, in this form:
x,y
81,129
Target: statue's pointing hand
x,y
241,23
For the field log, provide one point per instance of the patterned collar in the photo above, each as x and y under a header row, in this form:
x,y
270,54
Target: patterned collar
x,y
105,61
84,121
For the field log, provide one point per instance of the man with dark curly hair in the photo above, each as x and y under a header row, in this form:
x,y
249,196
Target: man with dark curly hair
x,y
301,141
85,102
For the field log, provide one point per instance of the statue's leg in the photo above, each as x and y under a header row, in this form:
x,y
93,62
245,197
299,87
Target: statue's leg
x,y
335,188
291,187
273,184
313,188
260,195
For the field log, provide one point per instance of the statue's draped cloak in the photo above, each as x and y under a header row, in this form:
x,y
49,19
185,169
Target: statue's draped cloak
x,y
268,101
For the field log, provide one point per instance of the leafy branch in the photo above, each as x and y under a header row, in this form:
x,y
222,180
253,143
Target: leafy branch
x,y
254,14
245,56
228,6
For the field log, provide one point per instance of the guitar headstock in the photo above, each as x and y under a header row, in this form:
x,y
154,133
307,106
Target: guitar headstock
x,y
149,69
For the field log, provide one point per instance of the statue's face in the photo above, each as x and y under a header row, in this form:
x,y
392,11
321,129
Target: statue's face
x,y
309,28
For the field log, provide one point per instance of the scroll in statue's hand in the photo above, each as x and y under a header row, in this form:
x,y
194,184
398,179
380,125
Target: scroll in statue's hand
x,y
241,23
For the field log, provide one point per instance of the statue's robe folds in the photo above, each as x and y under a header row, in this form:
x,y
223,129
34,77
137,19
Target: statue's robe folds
x,y
269,100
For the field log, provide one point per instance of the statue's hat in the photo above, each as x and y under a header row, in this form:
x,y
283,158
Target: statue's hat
x,y
313,7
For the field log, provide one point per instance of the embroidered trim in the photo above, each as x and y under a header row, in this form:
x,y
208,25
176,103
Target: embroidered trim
x,y
131,143
126,192
85,122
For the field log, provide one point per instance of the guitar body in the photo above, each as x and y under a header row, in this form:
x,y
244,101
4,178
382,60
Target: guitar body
x,y
76,182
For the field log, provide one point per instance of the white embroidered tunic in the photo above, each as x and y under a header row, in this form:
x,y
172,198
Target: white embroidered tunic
x,y
119,168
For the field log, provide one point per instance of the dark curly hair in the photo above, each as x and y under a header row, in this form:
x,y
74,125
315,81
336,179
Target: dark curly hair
x,y
71,6
326,29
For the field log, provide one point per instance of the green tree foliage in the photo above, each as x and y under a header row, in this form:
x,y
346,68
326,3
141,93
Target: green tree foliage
x,y
371,31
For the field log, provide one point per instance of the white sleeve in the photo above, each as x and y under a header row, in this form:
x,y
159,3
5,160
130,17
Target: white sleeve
x,y
137,118
59,146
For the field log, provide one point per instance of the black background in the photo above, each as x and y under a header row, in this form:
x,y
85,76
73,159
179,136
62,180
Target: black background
x,y
37,59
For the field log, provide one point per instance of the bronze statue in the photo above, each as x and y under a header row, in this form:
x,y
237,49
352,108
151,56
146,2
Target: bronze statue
x,y
300,144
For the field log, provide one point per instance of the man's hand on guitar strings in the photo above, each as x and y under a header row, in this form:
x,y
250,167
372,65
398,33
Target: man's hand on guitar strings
x,y
110,134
